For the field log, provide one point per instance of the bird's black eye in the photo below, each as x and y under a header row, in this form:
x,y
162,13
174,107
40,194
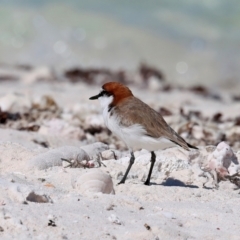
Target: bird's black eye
x,y
104,93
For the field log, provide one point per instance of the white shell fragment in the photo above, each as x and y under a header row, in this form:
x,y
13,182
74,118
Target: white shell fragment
x,y
94,181
221,164
221,159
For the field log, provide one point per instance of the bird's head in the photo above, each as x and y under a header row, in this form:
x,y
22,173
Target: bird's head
x,y
112,93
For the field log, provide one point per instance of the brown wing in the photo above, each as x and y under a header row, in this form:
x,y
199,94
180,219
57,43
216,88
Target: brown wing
x,y
137,112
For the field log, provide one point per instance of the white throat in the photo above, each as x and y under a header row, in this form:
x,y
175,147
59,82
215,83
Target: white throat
x,y
105,101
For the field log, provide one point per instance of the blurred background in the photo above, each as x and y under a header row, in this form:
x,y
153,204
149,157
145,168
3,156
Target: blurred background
x,y
191,42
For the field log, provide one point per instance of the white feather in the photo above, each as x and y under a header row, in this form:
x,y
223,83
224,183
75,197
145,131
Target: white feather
x,y
134,136
105,101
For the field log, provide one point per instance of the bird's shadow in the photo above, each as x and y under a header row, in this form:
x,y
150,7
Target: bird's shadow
x,y
172,182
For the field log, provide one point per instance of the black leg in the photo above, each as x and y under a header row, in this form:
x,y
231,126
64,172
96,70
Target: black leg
x,y
153,159
128,169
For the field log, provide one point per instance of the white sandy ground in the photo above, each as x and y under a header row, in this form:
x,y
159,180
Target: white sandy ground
x,y
174,208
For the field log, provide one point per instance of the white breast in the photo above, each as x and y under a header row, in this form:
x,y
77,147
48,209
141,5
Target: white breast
x,y
134,136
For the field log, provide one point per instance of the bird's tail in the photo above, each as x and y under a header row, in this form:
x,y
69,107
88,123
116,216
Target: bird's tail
x,y
191,146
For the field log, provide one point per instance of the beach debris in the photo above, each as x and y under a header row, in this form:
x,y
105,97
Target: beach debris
x,y
94,148
33,197
22,112
202,90
15,103
45,103
217,117
114,219
164,111
52,223
71,154
101,75
86,74
42,143
146,72
51,220
29,127
110,207
218,165
49,185
5,116
147,227
235,179
93,181
53,157
78,162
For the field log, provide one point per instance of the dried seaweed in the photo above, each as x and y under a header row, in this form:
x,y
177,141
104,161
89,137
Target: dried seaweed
x,y
237,121
100,75
5,116
236,98
217,117
147,71
31,128
201,90
164,111
87,74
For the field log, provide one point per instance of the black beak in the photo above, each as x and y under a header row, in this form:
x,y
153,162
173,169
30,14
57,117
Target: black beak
x,y
94,97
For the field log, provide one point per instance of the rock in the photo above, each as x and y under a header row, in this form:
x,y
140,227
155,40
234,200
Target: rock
x,y
53,157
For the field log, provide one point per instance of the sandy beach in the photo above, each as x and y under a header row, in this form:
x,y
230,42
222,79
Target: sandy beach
x,y
41,198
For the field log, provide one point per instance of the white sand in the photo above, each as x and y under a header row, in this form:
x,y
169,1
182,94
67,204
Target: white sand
x,y
171,208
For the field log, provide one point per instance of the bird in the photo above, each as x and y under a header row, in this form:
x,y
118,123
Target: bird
x,y
136,124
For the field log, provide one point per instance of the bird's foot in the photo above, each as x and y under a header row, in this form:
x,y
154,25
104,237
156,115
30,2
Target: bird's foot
x,y
121,182
147,182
